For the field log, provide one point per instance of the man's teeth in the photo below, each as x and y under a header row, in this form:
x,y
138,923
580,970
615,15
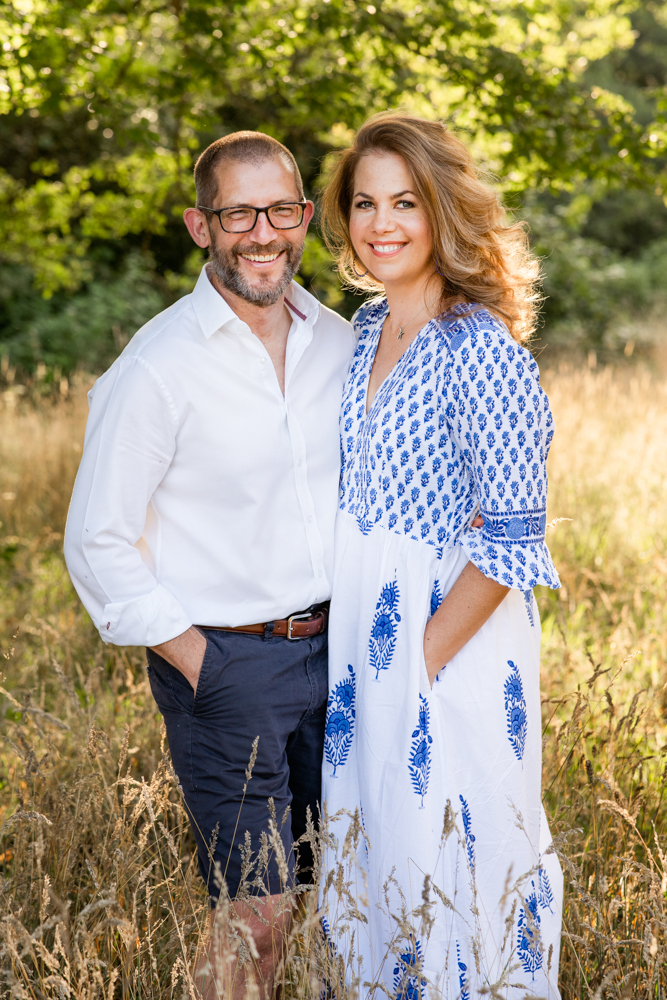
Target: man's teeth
x,y
261,258
387,247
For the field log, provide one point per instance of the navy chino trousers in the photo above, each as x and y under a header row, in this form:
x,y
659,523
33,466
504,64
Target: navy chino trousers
x,y
250,686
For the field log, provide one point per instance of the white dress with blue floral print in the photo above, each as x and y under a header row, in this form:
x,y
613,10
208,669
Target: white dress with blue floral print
x,y
447,887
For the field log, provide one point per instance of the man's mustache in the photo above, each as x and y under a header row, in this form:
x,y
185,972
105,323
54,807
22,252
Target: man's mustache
x,y
262,248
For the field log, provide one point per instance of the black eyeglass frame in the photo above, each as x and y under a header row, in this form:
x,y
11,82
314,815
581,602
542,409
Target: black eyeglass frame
x,y
218,211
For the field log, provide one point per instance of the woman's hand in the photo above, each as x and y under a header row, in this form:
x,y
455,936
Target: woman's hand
x,y
471,601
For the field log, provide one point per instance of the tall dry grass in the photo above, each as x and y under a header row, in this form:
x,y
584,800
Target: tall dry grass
x,y
99,895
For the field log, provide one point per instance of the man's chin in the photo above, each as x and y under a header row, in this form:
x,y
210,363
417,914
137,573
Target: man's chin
x,y
263,291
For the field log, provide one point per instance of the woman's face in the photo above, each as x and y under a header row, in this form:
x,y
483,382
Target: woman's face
x,y
388,224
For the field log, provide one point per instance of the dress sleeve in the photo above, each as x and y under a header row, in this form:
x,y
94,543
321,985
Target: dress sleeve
x,y
499,415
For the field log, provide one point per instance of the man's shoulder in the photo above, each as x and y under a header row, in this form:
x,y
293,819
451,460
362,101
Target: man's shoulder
x,y
334,321
151,342
336,329
172,322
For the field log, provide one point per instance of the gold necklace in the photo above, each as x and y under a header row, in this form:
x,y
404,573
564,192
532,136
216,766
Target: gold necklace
x,y
401,329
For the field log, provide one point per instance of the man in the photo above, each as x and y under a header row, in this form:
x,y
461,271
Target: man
x,y
201,524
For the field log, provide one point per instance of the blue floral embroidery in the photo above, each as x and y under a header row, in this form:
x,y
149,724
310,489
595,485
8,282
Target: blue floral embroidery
x,y
464,993
515,709
382,640
461,424
529,942
544,894
408,984
436,598
469,836
420,752
528,598
339,724
532,525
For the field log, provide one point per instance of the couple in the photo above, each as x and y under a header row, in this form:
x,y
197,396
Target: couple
x,y
218,459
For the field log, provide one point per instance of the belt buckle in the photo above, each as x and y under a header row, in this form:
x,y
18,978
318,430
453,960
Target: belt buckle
x,y
294,618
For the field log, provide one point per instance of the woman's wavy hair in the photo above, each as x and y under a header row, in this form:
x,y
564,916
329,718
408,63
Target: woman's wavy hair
x,y
483,256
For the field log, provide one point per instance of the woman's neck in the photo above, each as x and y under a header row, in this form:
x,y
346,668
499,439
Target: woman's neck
x,y
418,300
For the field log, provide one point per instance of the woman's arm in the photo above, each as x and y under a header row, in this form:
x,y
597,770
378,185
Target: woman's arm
x,y
471,601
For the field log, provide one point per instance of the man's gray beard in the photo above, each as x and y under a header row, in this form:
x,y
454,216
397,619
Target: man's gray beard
x,y
226,268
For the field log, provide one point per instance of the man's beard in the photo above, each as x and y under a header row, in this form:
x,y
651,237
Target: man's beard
x,y
226,268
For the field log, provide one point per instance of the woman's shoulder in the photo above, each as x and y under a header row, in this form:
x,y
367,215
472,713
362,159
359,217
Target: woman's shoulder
x,y
369,314
473,333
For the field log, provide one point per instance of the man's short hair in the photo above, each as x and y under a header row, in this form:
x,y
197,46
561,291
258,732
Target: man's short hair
x,y
243,147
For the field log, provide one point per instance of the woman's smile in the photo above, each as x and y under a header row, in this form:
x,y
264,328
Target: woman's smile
x,y
386,249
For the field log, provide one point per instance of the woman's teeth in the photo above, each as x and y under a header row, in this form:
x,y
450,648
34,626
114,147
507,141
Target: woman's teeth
x,y
261,258
387,247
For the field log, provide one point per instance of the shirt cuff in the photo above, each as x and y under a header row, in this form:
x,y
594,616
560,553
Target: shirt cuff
x,y
511,550
145,621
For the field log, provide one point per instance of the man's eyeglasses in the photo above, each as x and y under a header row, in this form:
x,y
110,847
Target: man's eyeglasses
x,y
243,218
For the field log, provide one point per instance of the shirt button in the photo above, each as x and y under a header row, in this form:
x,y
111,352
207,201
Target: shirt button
x,y
310,519
263,360
299,462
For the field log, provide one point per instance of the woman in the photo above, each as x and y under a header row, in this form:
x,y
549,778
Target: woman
x,y
440,884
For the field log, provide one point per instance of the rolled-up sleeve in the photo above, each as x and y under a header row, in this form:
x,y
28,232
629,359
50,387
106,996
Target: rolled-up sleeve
x,y
130,443
498,413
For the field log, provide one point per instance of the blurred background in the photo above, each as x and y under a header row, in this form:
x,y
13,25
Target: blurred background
x,y
105,106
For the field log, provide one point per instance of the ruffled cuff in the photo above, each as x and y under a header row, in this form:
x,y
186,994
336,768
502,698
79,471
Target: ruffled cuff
x,y
145,621
511,550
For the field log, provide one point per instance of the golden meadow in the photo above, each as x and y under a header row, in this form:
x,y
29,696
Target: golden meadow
x,y
99,896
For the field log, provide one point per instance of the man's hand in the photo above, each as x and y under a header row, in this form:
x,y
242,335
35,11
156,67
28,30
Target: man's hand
x,y
186,653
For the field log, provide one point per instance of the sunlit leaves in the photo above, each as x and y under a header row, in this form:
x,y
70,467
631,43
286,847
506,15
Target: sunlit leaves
x,y
146,84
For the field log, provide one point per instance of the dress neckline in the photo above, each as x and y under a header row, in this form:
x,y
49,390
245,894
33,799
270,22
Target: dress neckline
x,y
389,379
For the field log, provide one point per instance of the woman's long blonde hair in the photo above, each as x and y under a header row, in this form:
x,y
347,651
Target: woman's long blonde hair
x,y
483,257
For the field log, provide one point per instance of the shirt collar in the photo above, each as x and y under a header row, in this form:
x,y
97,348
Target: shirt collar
x,y
214,314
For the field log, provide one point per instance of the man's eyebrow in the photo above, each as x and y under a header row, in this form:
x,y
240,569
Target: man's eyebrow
x,y
362,194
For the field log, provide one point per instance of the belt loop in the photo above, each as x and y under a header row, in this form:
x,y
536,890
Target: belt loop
x,y
268,630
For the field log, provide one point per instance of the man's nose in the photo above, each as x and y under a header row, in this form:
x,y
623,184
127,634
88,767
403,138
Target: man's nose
x,y
263,231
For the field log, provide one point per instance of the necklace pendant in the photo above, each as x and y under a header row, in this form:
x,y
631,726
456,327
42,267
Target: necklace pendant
x,y
400,333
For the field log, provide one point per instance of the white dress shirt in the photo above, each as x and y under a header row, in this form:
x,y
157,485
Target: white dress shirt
x,y
204,495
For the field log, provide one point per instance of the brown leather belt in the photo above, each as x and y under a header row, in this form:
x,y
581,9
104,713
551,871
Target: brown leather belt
x,y
299,626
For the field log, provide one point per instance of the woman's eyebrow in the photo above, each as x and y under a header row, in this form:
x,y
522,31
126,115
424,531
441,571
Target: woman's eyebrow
x,y
362,194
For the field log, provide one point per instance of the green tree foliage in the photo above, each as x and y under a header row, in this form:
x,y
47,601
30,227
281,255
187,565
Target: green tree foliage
x,y
104,106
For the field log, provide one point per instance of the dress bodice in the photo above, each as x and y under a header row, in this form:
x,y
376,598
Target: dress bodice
x,y
461,425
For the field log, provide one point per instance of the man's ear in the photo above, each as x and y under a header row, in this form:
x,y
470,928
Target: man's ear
x,y
197,226
308,213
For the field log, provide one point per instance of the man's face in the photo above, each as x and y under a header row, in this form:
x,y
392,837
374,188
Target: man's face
x,y
234,255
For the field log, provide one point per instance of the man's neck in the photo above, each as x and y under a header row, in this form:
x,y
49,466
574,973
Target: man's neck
x,y
267,322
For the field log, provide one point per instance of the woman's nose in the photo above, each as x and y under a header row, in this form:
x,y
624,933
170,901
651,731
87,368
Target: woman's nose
x,y
383,221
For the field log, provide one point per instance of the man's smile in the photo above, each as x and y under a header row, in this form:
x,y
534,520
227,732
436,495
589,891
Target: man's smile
x,y
256,258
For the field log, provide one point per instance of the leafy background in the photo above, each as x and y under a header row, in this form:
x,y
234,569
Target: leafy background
x,y
104,107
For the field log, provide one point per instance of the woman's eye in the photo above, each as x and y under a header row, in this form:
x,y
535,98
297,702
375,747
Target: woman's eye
x,y
364,204
404,203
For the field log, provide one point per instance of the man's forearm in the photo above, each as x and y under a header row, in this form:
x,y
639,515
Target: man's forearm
x,y
185,652
471,602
